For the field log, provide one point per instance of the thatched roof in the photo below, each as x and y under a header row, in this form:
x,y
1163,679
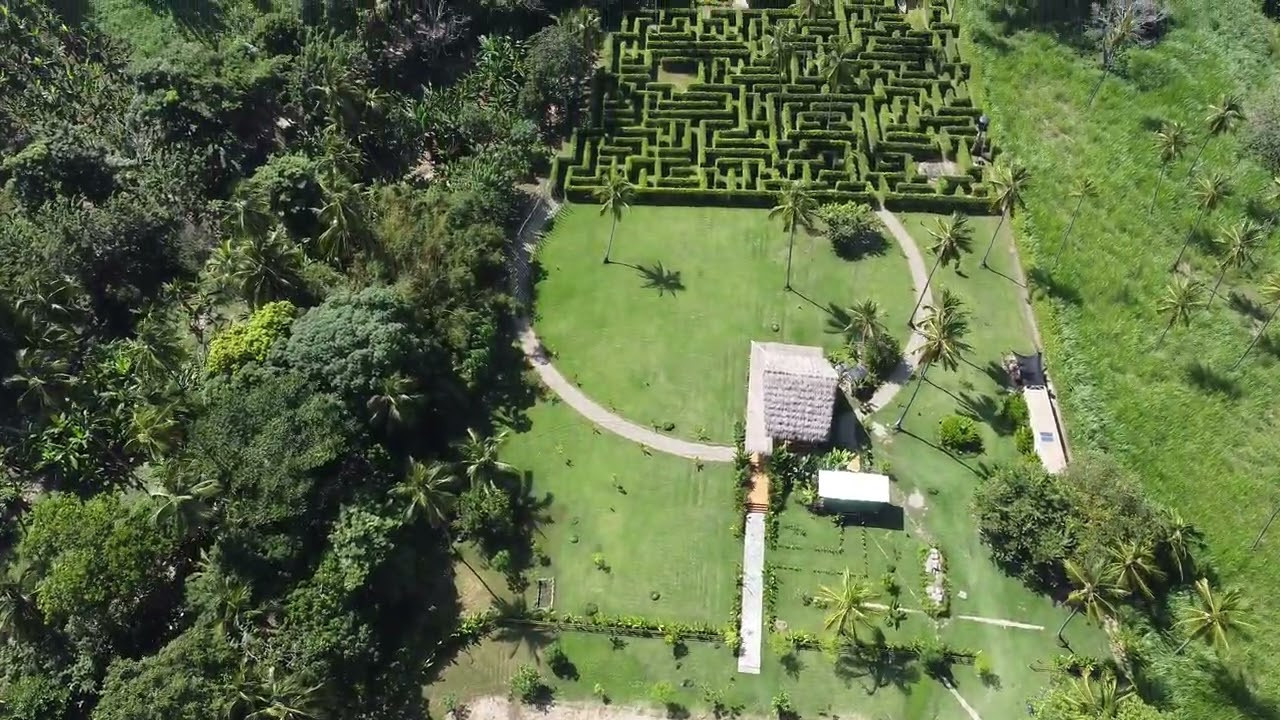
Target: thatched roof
x,y
791,395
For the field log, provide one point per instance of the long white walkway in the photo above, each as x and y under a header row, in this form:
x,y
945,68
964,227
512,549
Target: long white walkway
x,y
751,628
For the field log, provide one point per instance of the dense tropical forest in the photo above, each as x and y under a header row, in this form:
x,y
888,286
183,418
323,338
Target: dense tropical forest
x,y
252,305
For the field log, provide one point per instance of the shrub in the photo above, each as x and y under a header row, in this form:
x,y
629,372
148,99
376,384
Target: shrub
x,y
1262,131
1014,409
663,693
882,356
781,704
1025,441
249,341
527,685
590,609
501,561
982,664
932,654
450,703
598,560
959,433
853,229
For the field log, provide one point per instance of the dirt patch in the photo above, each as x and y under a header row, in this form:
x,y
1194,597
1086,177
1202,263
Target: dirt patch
x,y
501,708
915,500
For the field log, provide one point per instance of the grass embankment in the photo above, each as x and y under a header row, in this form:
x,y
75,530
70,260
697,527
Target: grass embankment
x,y
662,335
1201,435
151,28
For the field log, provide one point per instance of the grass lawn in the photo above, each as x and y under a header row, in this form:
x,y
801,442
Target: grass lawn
x,y
679,355
152,27
1200,435
670,532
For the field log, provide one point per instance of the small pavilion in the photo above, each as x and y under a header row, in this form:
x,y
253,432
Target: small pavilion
x,y
791,396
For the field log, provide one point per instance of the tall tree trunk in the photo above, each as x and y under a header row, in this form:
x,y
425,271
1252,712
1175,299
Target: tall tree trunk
x,y
791,243
1216,285
1199,152
1183,646
992,244
1258,335
923,371
609,248
1066,235
1074,612
1159,182
1105,69
1275,511
1187,243
1166,331
911,320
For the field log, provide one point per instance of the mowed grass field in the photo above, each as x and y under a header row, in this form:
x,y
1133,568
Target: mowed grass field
x,y
678,354
669,529
1201,435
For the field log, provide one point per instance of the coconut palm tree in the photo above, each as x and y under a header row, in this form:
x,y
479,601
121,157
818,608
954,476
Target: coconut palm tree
x,y
836,69
1084,189
156,430
952,238
1209,194
393,403
849,604
427,492
614,197
778,46
1171,142
1223,117
1134,568
1099,699
1177,536
180,503
796,207
1008,181
343,218
859,323
20,617
257,269
1270,292
1218,615
1114,40
1092,591
944,329
1239,243
42,380
271,694
1182,297
480,458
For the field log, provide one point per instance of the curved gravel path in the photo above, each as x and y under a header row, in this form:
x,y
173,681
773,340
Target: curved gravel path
x,y
526,243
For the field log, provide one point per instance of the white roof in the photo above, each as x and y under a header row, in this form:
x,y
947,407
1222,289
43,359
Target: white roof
x,y
1044,428
853,486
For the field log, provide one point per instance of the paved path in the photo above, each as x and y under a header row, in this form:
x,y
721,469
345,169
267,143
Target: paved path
x,y
751,628
973,714
919,278
999,622
526,243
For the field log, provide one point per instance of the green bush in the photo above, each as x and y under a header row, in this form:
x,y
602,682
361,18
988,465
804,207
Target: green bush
x,y
249,340
558,660
959,433
1025,441
853,229
527,684
1014,410
882,356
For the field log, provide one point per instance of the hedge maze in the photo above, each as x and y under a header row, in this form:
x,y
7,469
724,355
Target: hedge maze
x,y
724,106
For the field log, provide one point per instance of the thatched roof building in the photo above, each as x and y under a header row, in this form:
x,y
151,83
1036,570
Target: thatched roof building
x,y
791,396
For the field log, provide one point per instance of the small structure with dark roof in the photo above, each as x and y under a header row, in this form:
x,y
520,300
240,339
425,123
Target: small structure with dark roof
x,y
791,396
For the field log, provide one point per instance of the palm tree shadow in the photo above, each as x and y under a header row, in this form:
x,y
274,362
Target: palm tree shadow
x,y
1043,282
514,629
1210,380
882,668
942,450
984,408
1246,305
657,277
1235,687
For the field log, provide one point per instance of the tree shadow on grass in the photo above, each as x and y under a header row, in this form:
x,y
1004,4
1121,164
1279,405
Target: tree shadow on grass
x,y
511,629
1047,285
881,669
1236,689
942,450
657,277
865,245
984,408
1211,380
1246,305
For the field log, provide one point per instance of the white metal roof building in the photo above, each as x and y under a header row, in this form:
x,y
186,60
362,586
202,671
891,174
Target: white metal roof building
x,y
1045,430
836,487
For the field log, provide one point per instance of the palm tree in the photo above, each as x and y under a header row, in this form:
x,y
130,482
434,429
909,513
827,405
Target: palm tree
x,y
1092,592
257,269
836,69
42,380
1223,117
584,22
1270,292
1216,617
951,239
1171,141
427,492
614,197
480,458
343,220
796,207
1177,537
849,603
1084,189
778,46
1179,303
180,504
859,323
1239,243
246,215
393,403
1098,700
271,695
944,329
1135,569
1008,181
1114,40
155,430
20,617
1209,194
